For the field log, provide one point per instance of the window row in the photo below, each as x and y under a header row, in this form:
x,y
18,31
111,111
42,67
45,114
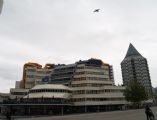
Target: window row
x,y
30,76
90,85
96,99
90,72
90,78
50,90
43,72
30,70
19,93
96,91
64,69
62,74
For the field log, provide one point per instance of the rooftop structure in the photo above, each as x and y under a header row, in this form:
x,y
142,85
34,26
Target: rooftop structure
x,y
33,74
51,91
17,93
132,52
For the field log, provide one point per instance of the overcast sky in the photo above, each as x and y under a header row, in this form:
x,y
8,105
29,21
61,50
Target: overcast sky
x,y
65,31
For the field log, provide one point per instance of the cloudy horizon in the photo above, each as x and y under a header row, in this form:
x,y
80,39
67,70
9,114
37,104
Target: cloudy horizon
x,y
59,31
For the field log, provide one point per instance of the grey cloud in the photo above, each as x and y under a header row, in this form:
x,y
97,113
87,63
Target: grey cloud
x,y
62,31
10,72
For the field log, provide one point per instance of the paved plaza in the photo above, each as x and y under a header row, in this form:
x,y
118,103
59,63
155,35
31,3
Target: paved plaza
x,y
115,115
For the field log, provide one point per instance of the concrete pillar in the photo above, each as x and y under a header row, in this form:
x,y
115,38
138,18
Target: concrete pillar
x,y
44,110
29,110
85,109
98,108
62,110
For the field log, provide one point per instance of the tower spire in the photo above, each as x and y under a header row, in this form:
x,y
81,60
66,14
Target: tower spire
x,y
132,51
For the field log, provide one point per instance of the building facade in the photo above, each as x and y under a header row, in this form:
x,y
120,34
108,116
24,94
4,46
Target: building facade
x,y
93,87
43,76
135,67
63,74
17,93
85,86
43,99
34,73
3,97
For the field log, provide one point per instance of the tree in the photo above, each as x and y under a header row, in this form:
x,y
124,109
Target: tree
x,y
135,93
155,94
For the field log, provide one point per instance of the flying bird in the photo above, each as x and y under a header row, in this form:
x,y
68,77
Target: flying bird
x,y
96,10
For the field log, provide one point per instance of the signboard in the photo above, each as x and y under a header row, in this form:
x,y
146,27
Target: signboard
x,y
45,79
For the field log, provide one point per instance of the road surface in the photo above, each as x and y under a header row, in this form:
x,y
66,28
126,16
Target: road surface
x,y
138,114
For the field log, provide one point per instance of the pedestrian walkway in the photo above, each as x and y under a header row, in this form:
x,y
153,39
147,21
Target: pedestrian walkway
x,y
138,114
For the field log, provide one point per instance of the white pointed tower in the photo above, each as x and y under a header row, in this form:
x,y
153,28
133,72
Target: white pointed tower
x,y
135,67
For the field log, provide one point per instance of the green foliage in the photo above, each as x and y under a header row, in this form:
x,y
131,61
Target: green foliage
x,y
135,92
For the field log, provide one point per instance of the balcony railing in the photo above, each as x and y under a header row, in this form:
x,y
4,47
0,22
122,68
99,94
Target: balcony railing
x,y
36,101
